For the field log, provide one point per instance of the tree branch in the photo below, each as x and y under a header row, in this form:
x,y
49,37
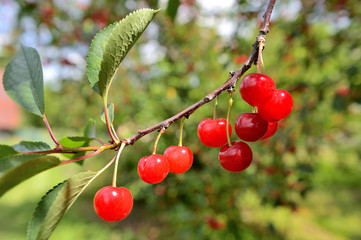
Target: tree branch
x,y
229,85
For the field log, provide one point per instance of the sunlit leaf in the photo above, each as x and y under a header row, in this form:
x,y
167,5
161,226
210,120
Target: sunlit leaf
x,y
23,80
95,55
75,142
121,39
55,204
16,168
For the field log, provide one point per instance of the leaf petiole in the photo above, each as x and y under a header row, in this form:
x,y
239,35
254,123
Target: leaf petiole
x,y
50,131
112,134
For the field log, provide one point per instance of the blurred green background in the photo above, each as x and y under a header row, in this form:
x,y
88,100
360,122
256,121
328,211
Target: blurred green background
x,y
304,183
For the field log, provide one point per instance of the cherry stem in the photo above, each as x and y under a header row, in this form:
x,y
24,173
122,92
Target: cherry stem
x,y
181,132
161,131
230,102
215,108
95,176
114,138
254,109
116,164
260,65
50,131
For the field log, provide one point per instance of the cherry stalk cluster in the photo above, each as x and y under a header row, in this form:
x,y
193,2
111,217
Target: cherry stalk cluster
x,y
269,106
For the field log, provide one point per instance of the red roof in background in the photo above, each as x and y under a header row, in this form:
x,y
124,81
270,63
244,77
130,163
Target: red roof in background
x,y
9,111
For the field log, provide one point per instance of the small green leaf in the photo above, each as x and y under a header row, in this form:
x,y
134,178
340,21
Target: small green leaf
x,y
172,8
95,55
55,204
75,142
121,39
110,108
16,168
6,150
23,80
89,131
27,146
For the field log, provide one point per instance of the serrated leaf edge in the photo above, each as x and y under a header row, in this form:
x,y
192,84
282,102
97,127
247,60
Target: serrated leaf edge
x,y
104,92
72,199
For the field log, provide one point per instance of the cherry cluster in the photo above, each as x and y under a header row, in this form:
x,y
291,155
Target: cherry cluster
x,y
115,204
270,105
154,168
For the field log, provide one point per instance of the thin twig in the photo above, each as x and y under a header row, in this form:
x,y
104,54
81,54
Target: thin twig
x,y
231,83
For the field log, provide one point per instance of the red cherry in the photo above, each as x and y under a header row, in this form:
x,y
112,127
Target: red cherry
x,y
153,169
113,203
212,132
180,158
235,158
256,89
278,107
250,127
272,129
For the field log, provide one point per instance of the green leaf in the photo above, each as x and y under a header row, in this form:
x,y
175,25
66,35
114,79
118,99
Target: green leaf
x,y
55,204
110,108
121,39
16,168
6,150
95,55
75,142
27,146
89,131
172,8
23,80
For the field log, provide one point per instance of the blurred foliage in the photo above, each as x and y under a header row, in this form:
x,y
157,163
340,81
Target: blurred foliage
x,y
304,183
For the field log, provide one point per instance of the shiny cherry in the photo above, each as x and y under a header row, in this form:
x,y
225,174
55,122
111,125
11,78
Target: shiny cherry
x,y
278,107
235,158
212,132
250,127
180,158
113,203
153,169
272,129
256,89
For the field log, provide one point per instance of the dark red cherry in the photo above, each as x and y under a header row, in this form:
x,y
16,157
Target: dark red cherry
x,y
256,89
272,129
113,203
213,133
278,107
153,169
180,158
250,127
235,158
